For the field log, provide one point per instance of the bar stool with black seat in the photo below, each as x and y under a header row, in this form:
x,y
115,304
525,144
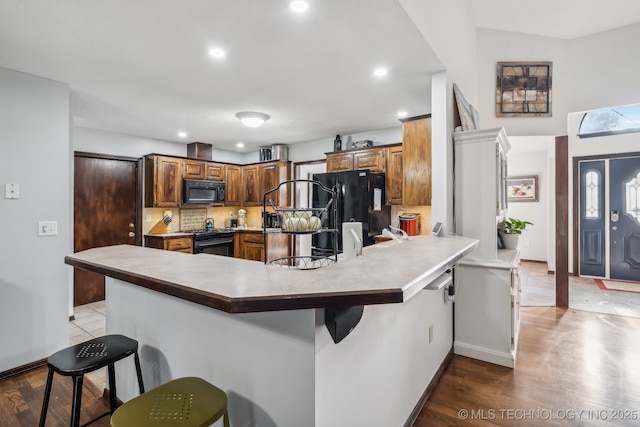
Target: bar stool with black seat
x,y
184,402
80,359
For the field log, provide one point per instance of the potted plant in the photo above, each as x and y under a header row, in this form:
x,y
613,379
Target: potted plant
x,y
510,230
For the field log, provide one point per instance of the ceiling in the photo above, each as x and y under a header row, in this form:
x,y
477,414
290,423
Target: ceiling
x,y
142,67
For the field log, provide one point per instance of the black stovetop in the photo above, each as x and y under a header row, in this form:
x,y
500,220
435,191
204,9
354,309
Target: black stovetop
x,y
212,232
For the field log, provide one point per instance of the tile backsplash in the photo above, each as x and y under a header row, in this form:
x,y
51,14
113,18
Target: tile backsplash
x,y
253,217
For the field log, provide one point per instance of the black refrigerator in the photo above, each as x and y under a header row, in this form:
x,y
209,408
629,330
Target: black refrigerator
x,y
360,198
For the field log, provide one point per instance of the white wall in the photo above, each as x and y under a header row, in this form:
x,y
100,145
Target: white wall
x,y
529,157
449,29
119,144
604,70
494,46
315,150
34,136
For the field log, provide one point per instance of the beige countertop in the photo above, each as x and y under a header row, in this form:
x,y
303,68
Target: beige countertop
x,y
385,273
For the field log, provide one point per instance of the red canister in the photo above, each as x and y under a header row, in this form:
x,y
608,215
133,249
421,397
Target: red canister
x,y
410,223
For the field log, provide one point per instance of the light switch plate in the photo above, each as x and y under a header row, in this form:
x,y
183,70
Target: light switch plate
x,y
12,191
47,228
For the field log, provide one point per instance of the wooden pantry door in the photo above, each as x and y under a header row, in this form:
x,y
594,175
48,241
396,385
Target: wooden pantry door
x,y
107,207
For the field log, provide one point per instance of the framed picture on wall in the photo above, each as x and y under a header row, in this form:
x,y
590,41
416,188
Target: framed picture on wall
x,y
522,188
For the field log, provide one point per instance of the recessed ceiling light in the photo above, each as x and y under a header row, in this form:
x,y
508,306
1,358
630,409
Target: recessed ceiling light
x,y
252,119
182,134
240,145
380,72
299,6
402,114
217,53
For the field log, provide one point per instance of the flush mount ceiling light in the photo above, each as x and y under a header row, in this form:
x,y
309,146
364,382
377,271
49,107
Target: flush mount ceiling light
x,y
182,134
240,145
252,119
402,114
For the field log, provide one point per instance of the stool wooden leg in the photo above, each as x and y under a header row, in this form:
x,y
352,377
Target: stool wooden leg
x,y
139,372
47,394
225,418
112,386
77,400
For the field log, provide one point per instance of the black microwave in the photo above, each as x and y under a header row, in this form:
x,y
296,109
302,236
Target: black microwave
x,y
203,192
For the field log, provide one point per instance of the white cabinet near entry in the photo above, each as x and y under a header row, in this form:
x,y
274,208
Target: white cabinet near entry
x,y
487,309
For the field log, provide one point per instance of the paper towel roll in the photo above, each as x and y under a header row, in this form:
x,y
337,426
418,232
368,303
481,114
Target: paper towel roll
x,y
348,241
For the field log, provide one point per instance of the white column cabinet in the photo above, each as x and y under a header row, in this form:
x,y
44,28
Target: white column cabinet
x,y
487,306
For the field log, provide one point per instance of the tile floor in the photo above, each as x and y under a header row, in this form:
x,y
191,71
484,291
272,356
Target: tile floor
x,y
89,322
538,289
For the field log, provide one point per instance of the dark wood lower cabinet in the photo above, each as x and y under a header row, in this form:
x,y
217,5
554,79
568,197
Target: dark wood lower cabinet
x,y
250,244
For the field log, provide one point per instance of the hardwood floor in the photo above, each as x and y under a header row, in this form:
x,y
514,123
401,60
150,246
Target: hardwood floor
x,y
21,400
568,361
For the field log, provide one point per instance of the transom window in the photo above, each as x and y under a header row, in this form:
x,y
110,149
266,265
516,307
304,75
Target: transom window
x,y
610,121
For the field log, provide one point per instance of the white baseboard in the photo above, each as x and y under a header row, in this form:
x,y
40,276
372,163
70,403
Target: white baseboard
x,y
485,354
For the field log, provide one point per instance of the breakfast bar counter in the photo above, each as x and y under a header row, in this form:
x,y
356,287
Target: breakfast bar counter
x,y
258,332
387,273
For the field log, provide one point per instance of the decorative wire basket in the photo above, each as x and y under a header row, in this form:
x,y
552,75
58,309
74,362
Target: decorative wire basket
x,y
301,220
302,262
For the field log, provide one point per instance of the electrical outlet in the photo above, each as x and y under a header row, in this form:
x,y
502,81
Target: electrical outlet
x,y
527,243
47,228
148,218
430,333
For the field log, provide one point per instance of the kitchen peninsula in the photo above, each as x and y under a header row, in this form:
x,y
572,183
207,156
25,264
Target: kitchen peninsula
x,y
258,331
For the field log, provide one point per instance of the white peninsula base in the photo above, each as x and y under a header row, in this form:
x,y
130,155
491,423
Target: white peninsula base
x,y
282,368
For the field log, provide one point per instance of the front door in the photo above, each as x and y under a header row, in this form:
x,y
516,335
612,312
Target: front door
x,y
105,213
624,218
609,229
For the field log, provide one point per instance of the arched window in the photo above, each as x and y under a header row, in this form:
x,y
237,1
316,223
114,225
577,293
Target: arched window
x,y
591,194
610,121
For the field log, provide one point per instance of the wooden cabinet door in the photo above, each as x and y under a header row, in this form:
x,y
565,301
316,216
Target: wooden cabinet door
x,y
233,184
251,183
254,251
193,169
269,179
163,182
373,159
339,162
214,171
394,176
416,158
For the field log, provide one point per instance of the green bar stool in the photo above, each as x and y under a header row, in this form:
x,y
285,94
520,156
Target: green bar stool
x,y
184,402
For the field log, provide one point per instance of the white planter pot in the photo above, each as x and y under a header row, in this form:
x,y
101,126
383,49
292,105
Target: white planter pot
x,y
510,240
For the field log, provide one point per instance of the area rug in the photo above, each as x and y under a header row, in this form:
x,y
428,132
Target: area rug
x,y
612,285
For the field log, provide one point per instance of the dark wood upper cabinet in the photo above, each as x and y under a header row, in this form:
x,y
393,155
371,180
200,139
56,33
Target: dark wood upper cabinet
x,y
163,181
194,169
339,162
233,184
394,176
416,159
214,171
370,158
251,183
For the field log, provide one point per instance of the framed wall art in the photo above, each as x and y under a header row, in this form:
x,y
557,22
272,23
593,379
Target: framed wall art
x,y
522,188
523,89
